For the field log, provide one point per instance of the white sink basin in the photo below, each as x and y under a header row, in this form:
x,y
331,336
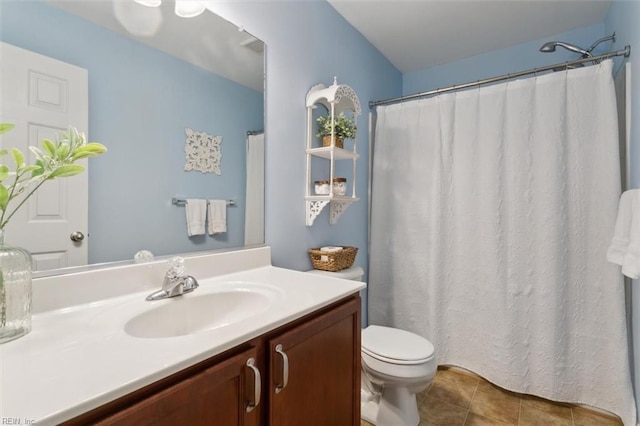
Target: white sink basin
x,y
202,310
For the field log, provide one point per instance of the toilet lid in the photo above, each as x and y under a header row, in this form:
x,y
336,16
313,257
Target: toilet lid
x,y
395,346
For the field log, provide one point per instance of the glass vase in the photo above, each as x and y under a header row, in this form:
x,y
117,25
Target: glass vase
x,y
15,291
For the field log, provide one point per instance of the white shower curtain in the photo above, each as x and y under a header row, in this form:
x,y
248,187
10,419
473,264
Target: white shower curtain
x,y
254,210
492,211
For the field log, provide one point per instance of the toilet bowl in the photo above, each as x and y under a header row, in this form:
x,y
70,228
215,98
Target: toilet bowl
x,y
396,365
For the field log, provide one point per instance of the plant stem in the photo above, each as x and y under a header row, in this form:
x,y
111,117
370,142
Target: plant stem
x,y
3,302
11,195
3,221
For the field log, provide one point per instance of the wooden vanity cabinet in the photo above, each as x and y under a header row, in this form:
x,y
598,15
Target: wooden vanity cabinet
x,y
319,361
219,394
309,375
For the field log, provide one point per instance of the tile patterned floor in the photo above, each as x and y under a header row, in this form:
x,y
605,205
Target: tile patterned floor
x,y
458,398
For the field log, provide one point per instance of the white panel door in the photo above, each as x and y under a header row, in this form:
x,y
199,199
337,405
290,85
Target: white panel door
x,y
43,96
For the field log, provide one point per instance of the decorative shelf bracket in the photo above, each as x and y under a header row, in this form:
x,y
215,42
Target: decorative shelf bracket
x,y
337,208
314,207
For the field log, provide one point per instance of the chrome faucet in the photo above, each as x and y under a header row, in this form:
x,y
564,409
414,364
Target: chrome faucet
x,y
176,282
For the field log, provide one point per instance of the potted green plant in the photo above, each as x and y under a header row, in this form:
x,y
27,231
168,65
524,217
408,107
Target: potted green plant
x,y
55,160
344,128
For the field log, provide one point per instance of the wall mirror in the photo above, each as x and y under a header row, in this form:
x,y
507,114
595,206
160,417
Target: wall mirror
x,y
151,75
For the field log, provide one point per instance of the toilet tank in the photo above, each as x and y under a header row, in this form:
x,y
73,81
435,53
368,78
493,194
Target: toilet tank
x,y
355,273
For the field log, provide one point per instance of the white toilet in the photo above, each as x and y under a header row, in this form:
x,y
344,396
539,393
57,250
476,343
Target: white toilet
x,y
396,365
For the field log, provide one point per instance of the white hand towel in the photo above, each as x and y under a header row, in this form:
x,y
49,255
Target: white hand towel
x,y
625,245
196,211
631,262
217,216
620,241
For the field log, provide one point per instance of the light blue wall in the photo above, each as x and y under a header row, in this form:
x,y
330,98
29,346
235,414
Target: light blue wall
x,y
309,43
624,19
140,101
517,58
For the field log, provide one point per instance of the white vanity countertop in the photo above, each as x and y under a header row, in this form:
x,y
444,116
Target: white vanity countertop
x,y
79,357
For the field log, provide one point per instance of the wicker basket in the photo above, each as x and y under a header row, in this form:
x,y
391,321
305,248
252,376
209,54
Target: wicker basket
x,y
334,261
326,141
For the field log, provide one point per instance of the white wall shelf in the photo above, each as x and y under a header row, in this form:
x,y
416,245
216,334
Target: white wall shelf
x,y
328,151
336,98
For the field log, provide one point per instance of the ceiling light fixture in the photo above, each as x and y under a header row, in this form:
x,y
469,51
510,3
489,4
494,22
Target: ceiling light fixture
x,y
149,3
183,8
188,8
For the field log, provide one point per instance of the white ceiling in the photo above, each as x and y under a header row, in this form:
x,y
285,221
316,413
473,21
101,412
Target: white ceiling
x,y
418,34
412,34
207,41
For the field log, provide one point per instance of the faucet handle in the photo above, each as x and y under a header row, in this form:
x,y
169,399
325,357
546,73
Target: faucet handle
x,y
176,267
189,284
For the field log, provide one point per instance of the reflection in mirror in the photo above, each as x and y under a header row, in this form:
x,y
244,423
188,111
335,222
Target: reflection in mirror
x,y
150,75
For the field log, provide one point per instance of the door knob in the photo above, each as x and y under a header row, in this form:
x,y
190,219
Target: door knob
x,y
76,236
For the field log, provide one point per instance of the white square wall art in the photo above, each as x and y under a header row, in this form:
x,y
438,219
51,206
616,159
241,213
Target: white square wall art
x,y
203,152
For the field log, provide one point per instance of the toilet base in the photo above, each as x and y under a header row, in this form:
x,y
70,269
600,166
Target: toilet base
x,y
369,411
396,407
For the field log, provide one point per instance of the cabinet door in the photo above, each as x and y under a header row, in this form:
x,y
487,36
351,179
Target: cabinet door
x,y
219,395
314,371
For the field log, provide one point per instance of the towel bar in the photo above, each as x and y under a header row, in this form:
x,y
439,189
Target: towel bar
x,y
182,202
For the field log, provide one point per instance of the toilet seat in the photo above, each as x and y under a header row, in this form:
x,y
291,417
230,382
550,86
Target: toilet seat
x,y
396,346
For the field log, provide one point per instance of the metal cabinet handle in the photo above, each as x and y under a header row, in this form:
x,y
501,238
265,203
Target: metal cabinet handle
x,y
76,236
285,369
256,385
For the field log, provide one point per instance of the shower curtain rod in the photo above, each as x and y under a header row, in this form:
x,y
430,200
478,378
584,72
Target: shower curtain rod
x,y
624,52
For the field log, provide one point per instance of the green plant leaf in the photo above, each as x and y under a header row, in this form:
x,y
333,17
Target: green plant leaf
x,y
343,126
49,147
30,168
96,147
62,152
5,127
53,160
80,155
90,150
39,170
18,157
36,151
4,197
66,171
4,172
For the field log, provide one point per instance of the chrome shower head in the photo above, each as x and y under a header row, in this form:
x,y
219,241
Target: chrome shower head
x,y
551,47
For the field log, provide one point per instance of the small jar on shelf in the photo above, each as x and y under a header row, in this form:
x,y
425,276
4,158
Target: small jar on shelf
x,y
339,186
321,187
